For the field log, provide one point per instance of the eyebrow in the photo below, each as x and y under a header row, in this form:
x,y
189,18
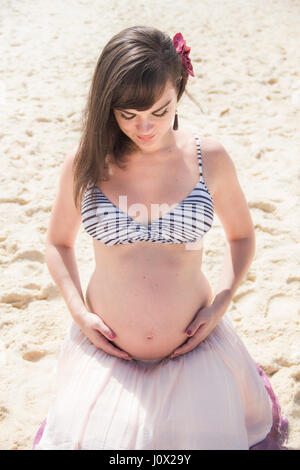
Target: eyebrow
x,y
127,112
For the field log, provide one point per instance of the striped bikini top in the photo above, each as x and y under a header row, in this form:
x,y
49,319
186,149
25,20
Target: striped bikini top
x,y
187,222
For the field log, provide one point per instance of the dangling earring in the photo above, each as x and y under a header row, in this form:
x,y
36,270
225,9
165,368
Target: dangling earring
x,y
175,125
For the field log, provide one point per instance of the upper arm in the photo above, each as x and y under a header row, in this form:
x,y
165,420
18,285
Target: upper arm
x,y
65,218
229,200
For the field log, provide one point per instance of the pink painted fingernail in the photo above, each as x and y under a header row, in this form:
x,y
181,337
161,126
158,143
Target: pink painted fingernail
x,y
112,335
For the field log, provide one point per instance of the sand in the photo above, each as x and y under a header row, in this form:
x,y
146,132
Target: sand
x,y
245,57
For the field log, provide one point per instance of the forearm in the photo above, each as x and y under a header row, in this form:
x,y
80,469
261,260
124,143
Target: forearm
x,y
237,260
62,266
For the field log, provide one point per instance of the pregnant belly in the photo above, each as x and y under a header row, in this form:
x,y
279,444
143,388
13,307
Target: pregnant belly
x,y
148,315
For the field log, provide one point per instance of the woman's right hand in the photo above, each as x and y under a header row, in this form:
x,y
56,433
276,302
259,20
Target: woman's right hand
x,y
99,334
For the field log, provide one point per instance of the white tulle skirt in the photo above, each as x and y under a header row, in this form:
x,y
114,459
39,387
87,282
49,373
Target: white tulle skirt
x,y
210,398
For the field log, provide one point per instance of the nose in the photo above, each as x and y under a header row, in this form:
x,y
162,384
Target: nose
x,y
144,126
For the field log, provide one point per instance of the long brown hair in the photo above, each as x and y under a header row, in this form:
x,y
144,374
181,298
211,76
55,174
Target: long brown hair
x,y
131,73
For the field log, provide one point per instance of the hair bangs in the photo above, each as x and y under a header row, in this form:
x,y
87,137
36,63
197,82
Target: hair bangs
x,y
140,90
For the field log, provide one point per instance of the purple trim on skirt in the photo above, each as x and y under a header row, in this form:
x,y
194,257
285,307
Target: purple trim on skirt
x,y
279,430
39,434
273,441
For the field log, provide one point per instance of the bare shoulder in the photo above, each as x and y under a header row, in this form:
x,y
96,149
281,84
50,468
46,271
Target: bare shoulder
x,y
227,192
213,152
69,161
66,176
216,162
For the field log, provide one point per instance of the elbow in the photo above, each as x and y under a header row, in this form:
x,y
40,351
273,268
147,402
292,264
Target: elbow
x,y
57,241
248,243
54,252
248,235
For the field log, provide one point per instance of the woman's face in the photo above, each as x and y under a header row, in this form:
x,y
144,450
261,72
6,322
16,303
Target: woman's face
x,y
147,128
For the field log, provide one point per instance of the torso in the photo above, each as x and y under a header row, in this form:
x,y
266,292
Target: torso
x,y
148,292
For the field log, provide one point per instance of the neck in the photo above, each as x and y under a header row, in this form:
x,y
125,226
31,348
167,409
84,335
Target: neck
x,y
152,156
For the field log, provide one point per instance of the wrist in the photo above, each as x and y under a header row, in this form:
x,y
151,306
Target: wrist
x,y
79,314
223,300
76,305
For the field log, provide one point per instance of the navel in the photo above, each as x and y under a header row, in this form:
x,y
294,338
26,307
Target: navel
x,y
150,336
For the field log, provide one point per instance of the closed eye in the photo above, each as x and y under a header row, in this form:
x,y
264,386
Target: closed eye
x,y
156,115
162,114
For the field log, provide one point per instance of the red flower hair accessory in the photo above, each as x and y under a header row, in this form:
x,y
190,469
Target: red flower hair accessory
x,y
183,50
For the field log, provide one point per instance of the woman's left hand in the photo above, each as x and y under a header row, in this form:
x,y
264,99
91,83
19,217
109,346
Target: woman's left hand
x,y
202,325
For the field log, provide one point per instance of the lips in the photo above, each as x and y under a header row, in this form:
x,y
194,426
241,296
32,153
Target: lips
x,y
146,137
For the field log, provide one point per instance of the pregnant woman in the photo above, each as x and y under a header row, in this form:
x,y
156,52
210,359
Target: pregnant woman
x,y
151,360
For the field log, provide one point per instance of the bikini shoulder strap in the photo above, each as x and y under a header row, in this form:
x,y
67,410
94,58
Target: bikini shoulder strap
x,y
199,158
